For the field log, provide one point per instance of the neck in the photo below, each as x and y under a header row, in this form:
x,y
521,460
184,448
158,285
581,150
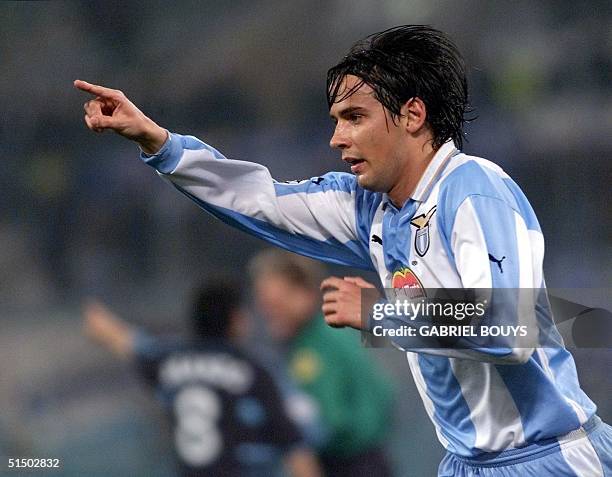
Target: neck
x,y
415,164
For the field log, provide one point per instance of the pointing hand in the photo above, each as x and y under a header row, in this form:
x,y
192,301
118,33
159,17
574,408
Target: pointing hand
x,y
112,110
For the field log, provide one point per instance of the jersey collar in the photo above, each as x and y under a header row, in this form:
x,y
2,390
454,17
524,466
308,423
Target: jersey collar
x,y
434,171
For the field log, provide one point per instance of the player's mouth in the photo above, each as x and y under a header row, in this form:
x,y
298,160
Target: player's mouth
x,y
357,165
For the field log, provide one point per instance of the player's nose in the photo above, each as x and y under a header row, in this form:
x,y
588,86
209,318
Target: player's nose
x,y
339,140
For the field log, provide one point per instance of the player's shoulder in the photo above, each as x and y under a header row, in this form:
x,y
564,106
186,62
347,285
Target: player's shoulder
x,y
340,179
469,176
328,182
151,346
205,348
333,181
215,346
218,363
257,362
345,182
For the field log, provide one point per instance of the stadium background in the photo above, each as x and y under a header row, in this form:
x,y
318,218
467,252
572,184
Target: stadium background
x,y
82,216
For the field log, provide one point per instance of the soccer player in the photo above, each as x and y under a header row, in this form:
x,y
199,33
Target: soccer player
x,y
423,215
227,414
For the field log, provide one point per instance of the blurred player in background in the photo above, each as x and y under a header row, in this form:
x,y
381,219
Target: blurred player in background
x,y
228,417
353,395
423,215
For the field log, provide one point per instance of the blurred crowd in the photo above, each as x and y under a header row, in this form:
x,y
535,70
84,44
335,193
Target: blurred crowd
x,y
82,216
81,212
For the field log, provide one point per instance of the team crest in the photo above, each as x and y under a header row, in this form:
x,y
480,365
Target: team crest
x,y
421,238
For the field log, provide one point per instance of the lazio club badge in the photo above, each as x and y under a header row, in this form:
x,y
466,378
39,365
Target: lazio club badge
x,y
421,238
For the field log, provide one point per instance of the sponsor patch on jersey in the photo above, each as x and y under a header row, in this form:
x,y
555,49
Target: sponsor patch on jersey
x,y
421,237
405,279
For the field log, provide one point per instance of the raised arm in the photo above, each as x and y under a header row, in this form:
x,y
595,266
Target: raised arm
x,y
318,217
103,326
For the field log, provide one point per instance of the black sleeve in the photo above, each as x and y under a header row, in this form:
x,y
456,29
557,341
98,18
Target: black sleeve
x,y
282,430
148,352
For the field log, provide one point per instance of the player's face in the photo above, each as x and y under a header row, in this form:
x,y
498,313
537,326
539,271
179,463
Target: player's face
x,y
370,141
283,305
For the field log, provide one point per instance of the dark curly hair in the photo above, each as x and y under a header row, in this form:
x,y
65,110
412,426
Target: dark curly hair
x,y
405,62
212,306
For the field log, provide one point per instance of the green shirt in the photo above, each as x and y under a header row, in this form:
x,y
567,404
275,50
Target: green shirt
x,y
353,394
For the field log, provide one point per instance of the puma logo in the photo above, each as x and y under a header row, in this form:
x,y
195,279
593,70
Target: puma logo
x,y
318,180
499,262
376,239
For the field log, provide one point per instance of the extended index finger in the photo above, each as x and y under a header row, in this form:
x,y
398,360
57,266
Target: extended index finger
x,y
94,89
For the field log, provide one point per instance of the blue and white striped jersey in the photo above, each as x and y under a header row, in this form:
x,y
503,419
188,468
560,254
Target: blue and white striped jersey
x,y
467,225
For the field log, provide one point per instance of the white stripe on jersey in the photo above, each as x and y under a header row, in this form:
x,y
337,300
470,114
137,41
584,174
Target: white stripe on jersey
x,y
251,191
481,387
227,183
473,261
489,165
536,239
419,381
341,226
524,250
527,295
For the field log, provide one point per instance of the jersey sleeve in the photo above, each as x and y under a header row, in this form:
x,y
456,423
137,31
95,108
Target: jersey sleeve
x,y
315,217
282,430
501,260
148,352
494,250
492,246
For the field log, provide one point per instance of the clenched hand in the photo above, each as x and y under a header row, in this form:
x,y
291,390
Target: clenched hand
x,y
342,301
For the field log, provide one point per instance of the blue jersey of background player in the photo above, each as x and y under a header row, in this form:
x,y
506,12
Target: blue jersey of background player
x,y
423,215
228,417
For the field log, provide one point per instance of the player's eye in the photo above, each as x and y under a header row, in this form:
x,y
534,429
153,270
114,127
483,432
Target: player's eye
x,y
355,117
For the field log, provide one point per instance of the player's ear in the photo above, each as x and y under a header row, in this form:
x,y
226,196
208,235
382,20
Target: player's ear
x,y
414,113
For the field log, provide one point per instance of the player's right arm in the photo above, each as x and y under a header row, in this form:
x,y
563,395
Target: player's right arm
x,y
103,326
123,340
316,217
